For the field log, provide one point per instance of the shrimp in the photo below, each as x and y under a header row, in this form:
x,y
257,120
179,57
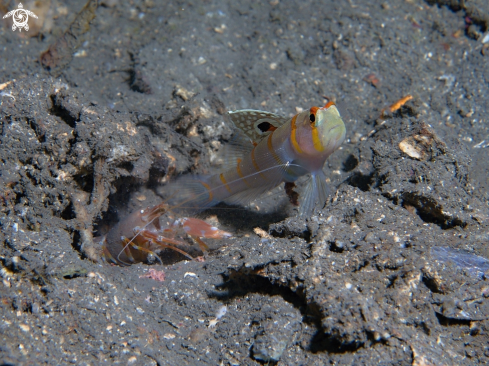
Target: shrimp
x,y
140,234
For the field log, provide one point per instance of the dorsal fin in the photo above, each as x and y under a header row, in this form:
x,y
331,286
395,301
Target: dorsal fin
x,y
257,124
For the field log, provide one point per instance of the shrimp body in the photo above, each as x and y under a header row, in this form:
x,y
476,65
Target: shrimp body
x,y
283,150
141,234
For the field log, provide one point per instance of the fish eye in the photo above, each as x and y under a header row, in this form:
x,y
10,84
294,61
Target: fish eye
x,y
312,118
264,126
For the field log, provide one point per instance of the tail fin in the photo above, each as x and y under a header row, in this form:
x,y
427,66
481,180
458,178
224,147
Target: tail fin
x,y
315,193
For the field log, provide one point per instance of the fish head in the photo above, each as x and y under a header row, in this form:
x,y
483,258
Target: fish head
x,y
318,132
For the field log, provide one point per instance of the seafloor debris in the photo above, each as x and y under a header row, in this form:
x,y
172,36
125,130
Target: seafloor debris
x,y
275,335
373,79
397,105
60,53
154,275
474,264
419,145
410,147
85,212
220,313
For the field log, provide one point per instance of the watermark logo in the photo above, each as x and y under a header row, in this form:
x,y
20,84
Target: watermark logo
x,y
20,17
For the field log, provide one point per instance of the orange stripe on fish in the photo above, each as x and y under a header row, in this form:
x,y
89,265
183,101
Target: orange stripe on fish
x,y
208,187
240,173
329,104
316,140
272,150
223,180
256,165
293,137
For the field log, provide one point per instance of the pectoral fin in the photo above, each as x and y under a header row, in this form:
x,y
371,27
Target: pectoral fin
x,y
315,194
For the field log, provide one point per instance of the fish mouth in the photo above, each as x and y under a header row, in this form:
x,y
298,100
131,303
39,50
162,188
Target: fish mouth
x,y
333,128
336,135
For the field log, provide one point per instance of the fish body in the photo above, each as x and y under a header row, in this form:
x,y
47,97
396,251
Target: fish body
x,y
282,150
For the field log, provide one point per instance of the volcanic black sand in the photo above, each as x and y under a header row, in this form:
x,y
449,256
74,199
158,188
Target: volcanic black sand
x,y
102,104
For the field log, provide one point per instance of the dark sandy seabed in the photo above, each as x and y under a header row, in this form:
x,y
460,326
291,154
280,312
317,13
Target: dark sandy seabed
x,y
101,105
